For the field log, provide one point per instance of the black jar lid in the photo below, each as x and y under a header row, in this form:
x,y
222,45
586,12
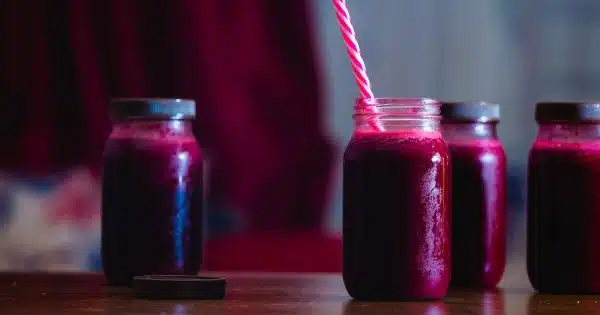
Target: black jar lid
x,y
152,109
567,112
466,112
179,287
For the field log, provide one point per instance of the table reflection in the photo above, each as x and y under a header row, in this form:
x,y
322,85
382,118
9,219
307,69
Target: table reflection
x,y
426,308
486,302
568,304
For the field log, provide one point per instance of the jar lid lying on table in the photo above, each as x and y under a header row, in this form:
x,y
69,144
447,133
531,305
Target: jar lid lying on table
x,y
177,287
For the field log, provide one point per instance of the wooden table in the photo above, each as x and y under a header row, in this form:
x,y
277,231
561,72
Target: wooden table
x,y
263,294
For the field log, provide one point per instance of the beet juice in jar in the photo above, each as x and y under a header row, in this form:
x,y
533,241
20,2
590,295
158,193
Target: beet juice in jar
x,y
478,193
563,202
396,187
151,191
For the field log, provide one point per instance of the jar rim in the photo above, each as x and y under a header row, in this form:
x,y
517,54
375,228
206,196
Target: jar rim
x,y
407,108
395,102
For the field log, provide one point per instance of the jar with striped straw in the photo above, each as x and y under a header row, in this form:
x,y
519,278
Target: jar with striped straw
x,y
396,193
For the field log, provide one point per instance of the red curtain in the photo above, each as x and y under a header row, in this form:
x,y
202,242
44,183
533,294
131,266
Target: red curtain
x,y
250,65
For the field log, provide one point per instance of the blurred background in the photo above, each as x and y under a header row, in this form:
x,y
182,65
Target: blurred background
x,y
275,90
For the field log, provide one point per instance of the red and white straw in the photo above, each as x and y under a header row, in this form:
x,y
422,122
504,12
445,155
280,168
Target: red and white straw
x,y
358,65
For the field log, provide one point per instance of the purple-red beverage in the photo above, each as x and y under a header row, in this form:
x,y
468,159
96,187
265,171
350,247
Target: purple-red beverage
x,y
396,211
478,213
563,224
564,217
478,193
151,198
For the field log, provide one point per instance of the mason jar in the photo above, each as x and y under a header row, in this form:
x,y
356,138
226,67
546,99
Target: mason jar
x,y
396,202
478,164
563,201
151,191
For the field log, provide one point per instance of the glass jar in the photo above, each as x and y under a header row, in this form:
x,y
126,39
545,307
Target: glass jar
x,y
478,193
151,191
563,203
396,220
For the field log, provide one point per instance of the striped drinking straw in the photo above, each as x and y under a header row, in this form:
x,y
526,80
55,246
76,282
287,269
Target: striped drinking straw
x,y
353,50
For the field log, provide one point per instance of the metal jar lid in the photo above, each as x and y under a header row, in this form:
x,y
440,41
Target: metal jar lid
x,y
177,287
152,109
470,112
567,112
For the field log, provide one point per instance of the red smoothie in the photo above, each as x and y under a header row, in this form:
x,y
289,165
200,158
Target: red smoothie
x,y
152,208
478,212
563,221
396,220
